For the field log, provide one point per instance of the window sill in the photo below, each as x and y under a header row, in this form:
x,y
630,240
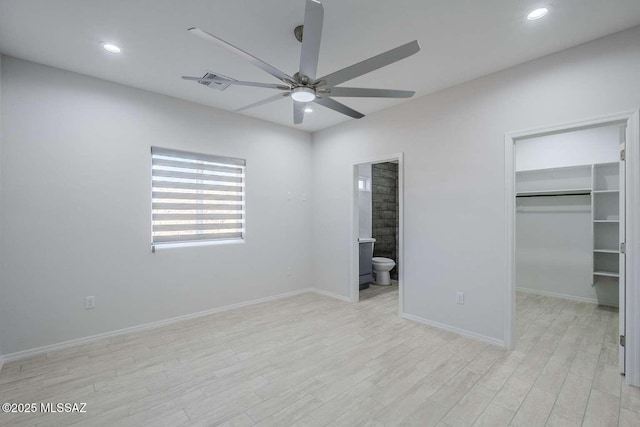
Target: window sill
x,y
163,246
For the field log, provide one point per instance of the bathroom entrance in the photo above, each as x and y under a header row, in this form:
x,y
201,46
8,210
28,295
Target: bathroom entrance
x,y
377,230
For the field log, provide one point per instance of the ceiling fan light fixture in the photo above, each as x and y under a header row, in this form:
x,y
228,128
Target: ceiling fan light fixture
x,y
303,94
537,14
110,47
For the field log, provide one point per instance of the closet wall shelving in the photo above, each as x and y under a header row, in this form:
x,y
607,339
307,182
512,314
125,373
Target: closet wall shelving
x,y
605,208
602,183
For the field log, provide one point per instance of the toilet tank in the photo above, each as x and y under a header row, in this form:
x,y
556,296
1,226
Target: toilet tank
x,y
366,253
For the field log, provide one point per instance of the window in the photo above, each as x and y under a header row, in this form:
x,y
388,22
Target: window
x,y
196,197
364,183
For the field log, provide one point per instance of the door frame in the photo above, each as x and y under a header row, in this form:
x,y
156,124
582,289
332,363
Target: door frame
x,y
354,287
632,240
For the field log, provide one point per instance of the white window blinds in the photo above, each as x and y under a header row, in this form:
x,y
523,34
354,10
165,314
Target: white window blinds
x,y
196,197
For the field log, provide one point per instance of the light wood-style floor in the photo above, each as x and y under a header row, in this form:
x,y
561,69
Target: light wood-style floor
x,y
311,360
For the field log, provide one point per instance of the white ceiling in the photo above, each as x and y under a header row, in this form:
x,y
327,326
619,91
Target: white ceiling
x,y
461,40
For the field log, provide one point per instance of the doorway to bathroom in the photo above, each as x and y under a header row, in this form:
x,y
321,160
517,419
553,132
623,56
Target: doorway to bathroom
x,y
377,230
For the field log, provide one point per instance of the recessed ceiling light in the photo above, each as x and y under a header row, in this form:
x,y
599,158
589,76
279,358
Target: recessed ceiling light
x,y
308,110
111,48
537,13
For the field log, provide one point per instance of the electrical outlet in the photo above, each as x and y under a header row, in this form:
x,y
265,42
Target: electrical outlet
x,y
460,297
303,197
89,302
289,270
289,195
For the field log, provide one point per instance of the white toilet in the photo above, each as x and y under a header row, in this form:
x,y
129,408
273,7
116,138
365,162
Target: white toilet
x,y
381,268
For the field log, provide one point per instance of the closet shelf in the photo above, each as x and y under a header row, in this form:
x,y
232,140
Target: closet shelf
x,y
605,191
561,192
586,168
606,273
607,251
606,220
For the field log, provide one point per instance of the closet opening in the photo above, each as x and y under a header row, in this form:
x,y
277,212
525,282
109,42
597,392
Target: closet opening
x,y
571,226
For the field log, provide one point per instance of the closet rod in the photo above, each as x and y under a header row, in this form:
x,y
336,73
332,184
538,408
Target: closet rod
x,y
554,195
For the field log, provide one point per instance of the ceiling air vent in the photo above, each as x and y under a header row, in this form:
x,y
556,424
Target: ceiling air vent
x,y
215,85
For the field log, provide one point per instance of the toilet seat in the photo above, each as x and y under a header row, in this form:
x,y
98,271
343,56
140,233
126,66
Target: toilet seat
x,y
378,260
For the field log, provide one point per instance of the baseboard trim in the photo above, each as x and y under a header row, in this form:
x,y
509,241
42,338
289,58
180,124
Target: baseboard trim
x,y
10,357
555,295
330,294
79,341
459,331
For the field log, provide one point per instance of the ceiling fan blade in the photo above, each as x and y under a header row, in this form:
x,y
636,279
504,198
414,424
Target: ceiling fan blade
x,y
311,36
298,112
371,64
340,108
236,82
359,92
241,53
264,101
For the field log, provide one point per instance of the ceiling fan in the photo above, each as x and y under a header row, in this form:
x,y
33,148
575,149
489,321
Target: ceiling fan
x,y
304,87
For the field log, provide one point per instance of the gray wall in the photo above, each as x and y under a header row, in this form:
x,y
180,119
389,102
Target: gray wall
x,y
384,214
454,181
76,204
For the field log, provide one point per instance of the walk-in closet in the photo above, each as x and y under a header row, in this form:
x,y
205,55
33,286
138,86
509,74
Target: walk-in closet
x,y
570,199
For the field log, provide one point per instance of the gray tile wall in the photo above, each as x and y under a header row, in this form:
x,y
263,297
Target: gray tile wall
x,y
384,215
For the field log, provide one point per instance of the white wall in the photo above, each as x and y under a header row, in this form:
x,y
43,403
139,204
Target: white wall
x,y
453,142
76,208
554,246
580,147
364,203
